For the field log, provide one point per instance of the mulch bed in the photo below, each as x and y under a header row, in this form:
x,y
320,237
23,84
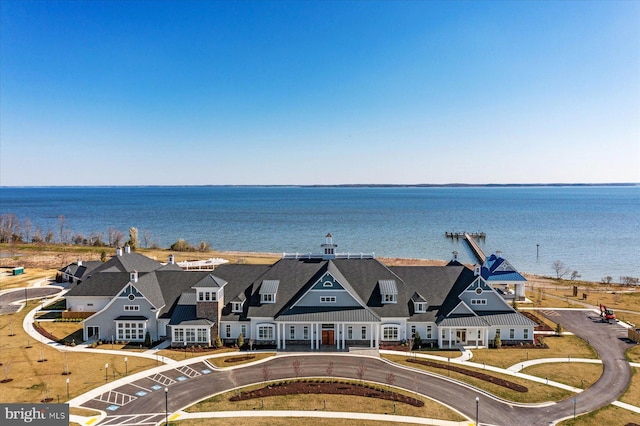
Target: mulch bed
x,y
478,375
331,388
239,358
541,325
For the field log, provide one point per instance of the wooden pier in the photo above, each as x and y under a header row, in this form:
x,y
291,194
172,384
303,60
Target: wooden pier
x,y
457,235
475,248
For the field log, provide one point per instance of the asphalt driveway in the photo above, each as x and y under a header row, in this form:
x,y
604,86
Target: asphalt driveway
x,y
144,399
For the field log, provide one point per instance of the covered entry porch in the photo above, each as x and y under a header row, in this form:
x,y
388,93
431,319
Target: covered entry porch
x,y
328,329
463,331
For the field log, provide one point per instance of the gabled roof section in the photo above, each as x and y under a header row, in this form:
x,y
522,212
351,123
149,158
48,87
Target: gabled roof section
x,y
496,268
210,281
462,309
417,298
128,262
269,286
239,298
110,284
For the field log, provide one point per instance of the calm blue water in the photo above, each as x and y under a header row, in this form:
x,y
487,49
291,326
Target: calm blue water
x,y
594,230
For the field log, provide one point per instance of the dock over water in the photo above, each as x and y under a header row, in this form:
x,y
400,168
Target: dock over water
x,y
475,248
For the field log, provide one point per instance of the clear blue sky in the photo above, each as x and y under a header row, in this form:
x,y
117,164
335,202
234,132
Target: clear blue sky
x,y
306,92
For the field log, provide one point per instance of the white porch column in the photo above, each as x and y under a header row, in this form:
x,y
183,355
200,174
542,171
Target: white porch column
x,y
344,336
311,338
319,338
277,335
284,335
370,326
337,337
449,337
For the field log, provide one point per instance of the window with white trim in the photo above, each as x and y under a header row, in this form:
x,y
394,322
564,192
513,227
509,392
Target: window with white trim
x,y
327,299
305,332
236,307
202,335
265,332
191,335
420,307
243,330
512,333
327,284
131,307
292,332
267,298
478,301
389,298
429,331
349,332
228,330
130,330
390,332
525,334
413,331
178,334
364,332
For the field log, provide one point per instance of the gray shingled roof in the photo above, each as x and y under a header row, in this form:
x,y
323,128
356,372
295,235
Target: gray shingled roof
x,y
211,281
418,298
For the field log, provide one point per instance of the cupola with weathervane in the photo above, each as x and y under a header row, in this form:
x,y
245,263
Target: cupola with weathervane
x,y
328,248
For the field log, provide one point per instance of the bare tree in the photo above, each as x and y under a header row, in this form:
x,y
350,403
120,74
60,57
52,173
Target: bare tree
x,y
559,268
6,366
61,223
27,230
362,369
266,373
146,238
49,237
607,279
574,275
37,236
297,367
117,238
391,379
9,227
330,368
134,241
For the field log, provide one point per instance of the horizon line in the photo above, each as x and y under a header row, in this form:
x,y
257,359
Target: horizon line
x,y
340,185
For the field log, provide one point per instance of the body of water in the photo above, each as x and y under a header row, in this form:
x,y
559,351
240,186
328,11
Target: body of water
x,y
594,230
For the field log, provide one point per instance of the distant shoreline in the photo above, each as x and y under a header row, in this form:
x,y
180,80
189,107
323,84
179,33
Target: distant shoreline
x,y
351,185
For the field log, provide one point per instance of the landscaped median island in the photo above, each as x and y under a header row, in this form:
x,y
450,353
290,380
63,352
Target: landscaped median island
x,y
239,359
325,394
579,375
536,392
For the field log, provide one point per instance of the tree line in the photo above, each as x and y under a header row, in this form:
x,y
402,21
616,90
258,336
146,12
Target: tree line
x,y
13,230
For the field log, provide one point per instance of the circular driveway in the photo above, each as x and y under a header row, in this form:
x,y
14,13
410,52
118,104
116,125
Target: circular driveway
x,y
145,398
6,299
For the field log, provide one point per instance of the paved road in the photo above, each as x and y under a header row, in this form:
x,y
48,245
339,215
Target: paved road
x,y
18,294
143,401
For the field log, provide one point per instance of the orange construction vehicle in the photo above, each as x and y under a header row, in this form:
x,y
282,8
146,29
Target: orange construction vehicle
x,y
607,314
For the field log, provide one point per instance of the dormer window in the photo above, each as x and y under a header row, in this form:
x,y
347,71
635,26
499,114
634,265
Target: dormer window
x,y
268,291
236,307
388,291
420,307
207,296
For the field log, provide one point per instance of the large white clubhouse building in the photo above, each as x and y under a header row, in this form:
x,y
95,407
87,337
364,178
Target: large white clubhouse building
x,y
324,299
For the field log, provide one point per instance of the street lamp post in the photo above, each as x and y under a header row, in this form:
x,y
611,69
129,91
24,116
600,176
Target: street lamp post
x,y
126,368
106,372
166,406
67,388
574,407
477,409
